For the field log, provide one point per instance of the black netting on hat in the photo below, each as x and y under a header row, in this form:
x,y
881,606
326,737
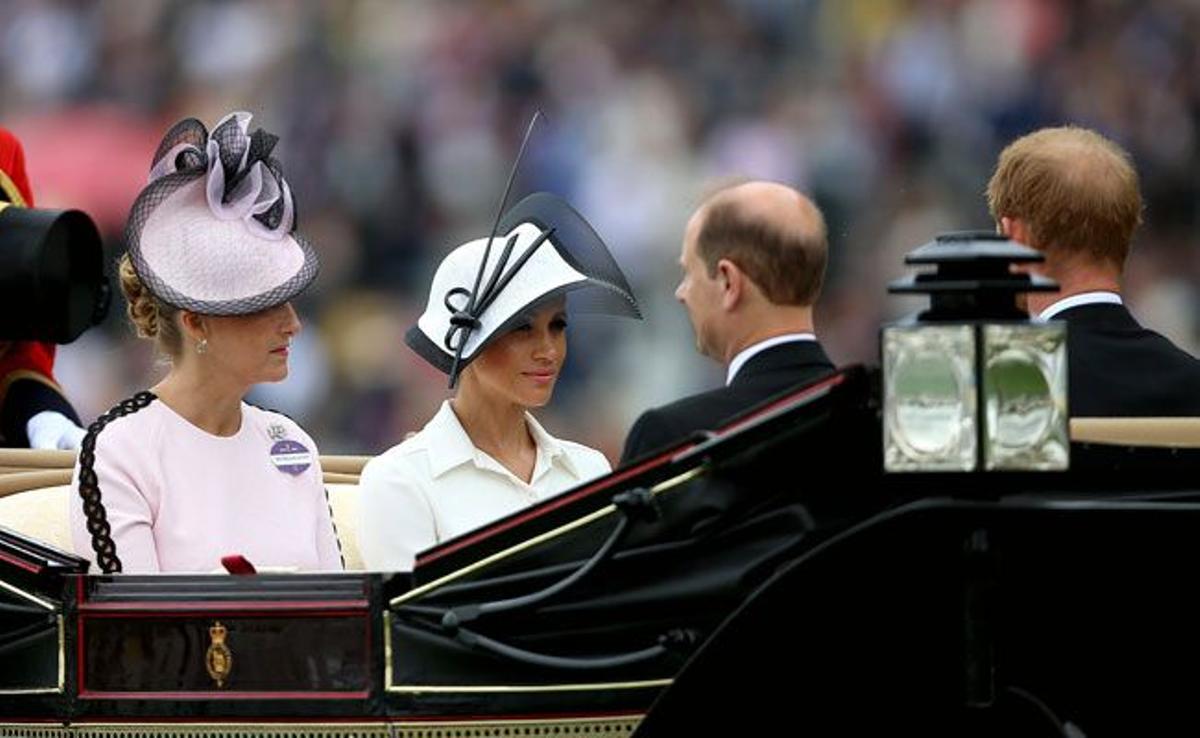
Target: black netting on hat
x,y
274,216
607,291
233,144
183,159
190,137
243,306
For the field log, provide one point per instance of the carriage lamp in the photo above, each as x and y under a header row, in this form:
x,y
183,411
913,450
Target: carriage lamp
x,y
971,383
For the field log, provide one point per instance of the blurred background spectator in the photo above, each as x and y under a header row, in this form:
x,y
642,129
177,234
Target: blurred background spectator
x,y
399,121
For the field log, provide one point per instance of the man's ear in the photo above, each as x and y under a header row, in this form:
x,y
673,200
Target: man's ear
x,y
1015,228
732,282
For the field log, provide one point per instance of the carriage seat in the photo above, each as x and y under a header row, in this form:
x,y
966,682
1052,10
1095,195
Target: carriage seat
x,y
35,489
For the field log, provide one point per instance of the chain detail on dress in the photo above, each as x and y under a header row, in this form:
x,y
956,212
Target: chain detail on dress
x,y
89,486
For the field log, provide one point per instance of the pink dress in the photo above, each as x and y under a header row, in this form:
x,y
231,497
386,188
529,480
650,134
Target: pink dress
x,y
177,498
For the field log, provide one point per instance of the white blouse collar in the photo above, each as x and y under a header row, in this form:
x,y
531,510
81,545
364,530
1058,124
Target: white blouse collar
x,y
449,445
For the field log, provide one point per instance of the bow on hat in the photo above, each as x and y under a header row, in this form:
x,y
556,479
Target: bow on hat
x,y
213,232
465,319
244,182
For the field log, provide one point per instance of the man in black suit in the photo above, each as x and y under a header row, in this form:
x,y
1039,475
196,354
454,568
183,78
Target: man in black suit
x,y
753,261
1073,195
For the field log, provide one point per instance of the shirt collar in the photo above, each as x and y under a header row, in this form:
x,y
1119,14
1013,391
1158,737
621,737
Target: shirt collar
x,y
1101,297
750,352
550,449
447,441
449,446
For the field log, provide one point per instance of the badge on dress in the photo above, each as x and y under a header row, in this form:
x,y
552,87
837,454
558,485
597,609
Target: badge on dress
x,y
290,457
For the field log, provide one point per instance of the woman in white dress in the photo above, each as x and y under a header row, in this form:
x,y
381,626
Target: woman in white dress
x,y
483,455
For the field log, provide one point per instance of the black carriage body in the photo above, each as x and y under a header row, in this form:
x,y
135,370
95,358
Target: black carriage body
x,y
228,656
687,580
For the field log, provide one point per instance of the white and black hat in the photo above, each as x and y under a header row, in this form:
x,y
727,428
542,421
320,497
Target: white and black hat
x,y
546,249
214,230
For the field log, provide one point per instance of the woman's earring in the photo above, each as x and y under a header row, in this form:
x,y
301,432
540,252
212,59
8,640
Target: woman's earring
x,y
202,346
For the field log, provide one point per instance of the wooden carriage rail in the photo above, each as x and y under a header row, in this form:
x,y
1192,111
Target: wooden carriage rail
x,y
29,459
1158,432
23,469
24,481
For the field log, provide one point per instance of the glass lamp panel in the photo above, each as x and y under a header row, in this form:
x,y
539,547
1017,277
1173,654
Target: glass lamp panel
x,y
1025,396
929,398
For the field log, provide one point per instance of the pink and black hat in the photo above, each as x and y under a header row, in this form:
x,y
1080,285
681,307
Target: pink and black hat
x,y
214,230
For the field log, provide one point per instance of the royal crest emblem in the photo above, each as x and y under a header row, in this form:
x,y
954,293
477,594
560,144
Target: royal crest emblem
x,y
218,659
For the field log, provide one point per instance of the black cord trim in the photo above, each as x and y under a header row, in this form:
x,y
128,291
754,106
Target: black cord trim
x,y
666,643
636,505
89,485
20,609
1045,710
454,618
22,637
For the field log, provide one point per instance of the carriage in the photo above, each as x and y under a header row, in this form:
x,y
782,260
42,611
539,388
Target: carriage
x,y
782,572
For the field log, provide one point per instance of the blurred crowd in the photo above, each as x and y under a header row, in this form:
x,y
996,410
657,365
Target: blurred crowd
x,y
399,121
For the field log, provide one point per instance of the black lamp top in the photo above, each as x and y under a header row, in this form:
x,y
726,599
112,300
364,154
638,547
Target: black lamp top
x,y
973,277
972,246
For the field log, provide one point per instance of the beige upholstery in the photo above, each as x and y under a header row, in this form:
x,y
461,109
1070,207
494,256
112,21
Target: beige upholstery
x,y
35,485
39,513
343,500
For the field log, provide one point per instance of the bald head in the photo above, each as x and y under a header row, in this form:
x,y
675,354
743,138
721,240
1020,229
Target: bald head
x,y
772,232
774,204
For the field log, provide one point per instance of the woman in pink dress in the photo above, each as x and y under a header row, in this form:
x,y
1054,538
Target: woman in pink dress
x,y
180,476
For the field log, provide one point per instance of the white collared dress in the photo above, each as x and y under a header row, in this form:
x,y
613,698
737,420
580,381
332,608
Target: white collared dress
x,y
437,485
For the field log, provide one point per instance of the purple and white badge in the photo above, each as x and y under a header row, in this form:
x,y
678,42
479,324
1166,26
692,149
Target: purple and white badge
x,y
290,457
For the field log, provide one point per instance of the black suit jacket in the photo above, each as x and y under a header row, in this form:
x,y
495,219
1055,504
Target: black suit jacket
x,y
1118,368
766,374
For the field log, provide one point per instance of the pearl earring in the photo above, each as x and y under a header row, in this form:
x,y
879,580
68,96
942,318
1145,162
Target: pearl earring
x,y
202,346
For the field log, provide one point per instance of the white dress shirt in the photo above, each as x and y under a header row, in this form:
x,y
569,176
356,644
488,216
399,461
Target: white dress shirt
x,y
750,352
437,485
1100,297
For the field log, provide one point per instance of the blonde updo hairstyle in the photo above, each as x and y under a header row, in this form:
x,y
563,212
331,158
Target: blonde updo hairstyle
x,y
151,317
